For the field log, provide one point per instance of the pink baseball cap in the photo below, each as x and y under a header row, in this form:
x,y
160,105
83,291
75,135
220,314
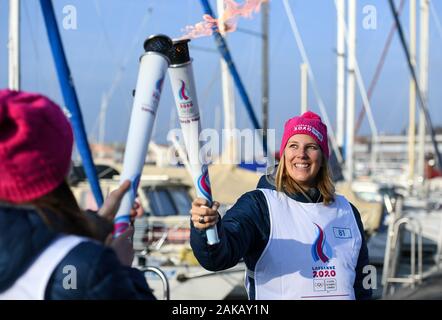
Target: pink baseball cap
x,y
308,123
36,143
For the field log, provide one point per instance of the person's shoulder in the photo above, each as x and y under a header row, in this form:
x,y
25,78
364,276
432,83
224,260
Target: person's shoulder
x,y
85,262
252,197
98,275
352,206
85,257
9,208
252,193
341,198
89,253
249,206
354,211
23,236
266,182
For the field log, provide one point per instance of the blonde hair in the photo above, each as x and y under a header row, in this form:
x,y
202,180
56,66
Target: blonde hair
x,y
284,183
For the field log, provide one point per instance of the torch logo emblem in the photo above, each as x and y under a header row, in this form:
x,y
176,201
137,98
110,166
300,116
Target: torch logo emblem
x,y
184,95
321,250
204,183
187,111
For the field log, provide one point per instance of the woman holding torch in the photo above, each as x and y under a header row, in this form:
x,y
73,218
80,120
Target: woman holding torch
x,y
49,249
299,240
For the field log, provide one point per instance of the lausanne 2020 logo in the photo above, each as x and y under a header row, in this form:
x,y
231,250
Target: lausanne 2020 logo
x,y
321,250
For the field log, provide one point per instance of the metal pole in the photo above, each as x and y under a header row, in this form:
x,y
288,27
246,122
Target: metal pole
x,y
102,117
265,7
70,97
422,101
14,45
349,154
413,257
304,87
224,50
423,81
412,95
160,273
340,82
366,103
230,151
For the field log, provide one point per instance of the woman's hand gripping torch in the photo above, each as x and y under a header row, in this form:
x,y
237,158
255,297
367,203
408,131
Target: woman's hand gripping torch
x,y
183,86
153,66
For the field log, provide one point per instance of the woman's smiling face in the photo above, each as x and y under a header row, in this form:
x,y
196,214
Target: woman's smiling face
x,y
303,159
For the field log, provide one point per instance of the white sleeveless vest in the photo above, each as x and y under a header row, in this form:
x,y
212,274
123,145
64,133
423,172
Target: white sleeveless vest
x,y
32,284
312,250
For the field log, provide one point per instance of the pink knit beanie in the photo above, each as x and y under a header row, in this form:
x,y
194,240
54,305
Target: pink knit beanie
x,y
310,124
35,146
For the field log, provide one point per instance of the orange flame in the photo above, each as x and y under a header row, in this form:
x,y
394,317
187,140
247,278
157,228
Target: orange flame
x,y
232,12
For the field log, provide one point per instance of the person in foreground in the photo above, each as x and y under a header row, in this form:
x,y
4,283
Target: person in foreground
x,y
49,248
298,239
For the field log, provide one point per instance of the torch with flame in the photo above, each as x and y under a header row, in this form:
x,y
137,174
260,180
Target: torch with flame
x,y
183,86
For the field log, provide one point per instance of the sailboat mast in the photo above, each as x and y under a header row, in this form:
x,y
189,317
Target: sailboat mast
x,y
102,119
14,45
265,67
230,151
340,90
423,80
304,88
412,115
349,152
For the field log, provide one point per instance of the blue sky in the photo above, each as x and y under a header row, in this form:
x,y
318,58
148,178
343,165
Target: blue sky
x,y
110,32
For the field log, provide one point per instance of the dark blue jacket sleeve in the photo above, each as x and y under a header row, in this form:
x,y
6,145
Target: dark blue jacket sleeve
x,y
91,271
242,232
360,292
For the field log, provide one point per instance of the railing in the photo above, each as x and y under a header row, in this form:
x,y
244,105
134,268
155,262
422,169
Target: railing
x,y
162,276
393,250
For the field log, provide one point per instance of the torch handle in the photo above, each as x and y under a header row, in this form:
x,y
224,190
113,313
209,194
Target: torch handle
x,y
212,235
202,185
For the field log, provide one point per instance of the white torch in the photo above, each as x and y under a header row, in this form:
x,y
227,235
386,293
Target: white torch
x,y
183,86
153,66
